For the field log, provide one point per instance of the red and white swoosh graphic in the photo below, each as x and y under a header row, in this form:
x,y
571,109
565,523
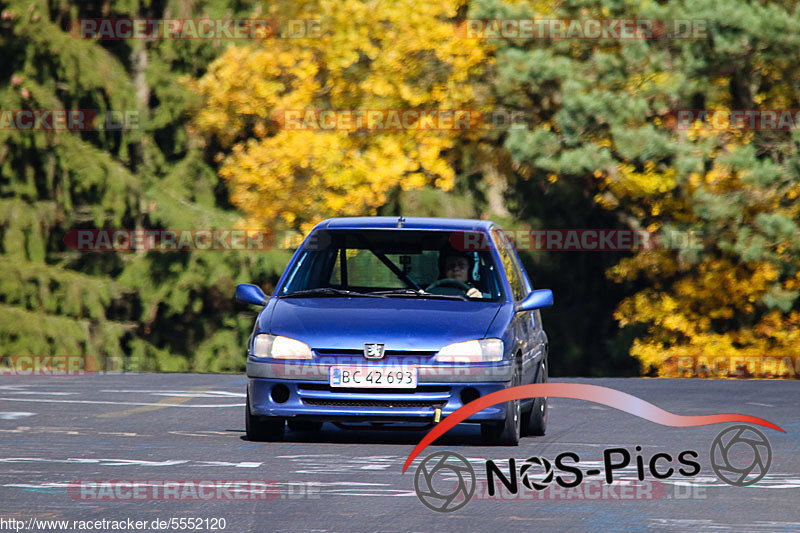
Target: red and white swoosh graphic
x,y
578,391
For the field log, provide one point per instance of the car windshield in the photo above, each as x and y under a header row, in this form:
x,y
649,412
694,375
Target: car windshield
x,y
395,263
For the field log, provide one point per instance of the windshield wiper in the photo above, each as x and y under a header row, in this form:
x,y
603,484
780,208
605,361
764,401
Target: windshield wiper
x,y
329,291
420,293
402,292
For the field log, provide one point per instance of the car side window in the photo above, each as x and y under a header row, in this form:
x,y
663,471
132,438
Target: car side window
x,y
527,287
535,316
526,284
509,265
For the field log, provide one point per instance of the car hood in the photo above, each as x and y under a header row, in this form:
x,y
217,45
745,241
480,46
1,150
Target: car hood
x,y
399,323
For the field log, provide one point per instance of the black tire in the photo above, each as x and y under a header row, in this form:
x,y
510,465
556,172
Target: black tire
x,y
304,426
536,421
261,428
509,431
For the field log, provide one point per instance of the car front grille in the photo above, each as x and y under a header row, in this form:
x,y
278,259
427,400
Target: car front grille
x,y
408,404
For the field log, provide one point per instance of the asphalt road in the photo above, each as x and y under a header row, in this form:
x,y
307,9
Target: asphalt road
x,y
58,432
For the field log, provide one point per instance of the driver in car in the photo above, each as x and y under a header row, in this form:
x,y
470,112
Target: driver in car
x,y
458,266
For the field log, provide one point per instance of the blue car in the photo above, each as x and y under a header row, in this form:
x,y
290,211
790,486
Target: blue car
x,y
380,321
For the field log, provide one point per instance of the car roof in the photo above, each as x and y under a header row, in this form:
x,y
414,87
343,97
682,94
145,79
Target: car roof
x,y
417,223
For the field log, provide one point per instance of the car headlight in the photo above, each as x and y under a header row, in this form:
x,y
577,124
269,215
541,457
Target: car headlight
x,y
477,351
278,347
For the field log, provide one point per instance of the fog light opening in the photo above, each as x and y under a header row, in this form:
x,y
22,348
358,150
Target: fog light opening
x,y
469,394
280,393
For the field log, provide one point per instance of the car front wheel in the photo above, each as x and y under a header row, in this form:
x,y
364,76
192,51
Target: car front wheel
x,y
260,428
506,433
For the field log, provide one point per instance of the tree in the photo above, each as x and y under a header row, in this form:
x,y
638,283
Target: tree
x,y
154,310
600,127
383,56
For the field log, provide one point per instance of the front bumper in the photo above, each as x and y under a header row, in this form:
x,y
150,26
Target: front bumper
x,y
428,372
316,400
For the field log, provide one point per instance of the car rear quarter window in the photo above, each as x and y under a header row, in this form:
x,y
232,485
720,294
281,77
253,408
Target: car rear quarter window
x,y
509,265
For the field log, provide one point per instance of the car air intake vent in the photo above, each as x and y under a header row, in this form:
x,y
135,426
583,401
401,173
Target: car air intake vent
x,y
371,403
311,386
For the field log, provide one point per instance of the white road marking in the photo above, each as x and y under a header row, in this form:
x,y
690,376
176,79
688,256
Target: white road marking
x,y
71,431
389,492
120,403
715,525
224,463
199,394
336,464
46,485
130,462
13,415
102,462
307,455
351,484
353,488
760,404
137,462
44,393
203,433
554,444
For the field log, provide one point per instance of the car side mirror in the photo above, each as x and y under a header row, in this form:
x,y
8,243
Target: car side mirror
x,y
250,294
536,300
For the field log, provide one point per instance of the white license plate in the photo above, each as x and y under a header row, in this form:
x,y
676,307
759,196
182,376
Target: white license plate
x,y
373,377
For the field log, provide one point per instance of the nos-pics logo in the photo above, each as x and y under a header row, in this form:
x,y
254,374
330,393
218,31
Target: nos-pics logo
x,y
433,482
445,481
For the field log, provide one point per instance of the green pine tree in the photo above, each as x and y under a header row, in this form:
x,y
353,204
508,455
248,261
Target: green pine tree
x,y
135,311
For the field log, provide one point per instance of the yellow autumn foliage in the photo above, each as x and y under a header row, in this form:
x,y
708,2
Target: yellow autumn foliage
x,y
708,317
368,56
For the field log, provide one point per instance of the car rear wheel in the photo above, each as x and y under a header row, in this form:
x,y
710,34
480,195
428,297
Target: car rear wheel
x,y
262,428
508,432
536,421
304,426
